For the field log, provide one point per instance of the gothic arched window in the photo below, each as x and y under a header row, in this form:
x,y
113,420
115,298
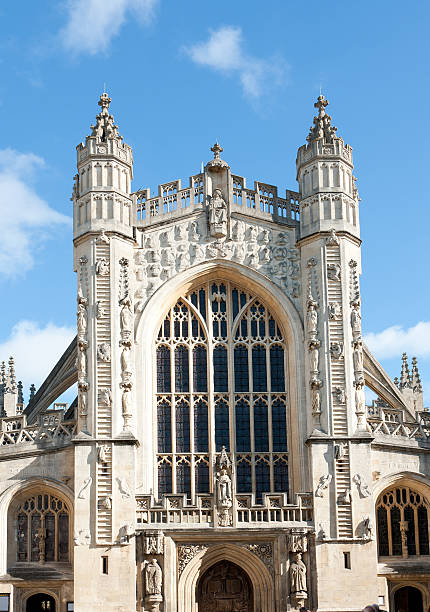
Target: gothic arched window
x,y
221,381
43,524
402,516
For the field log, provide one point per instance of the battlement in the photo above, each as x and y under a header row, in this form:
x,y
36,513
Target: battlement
x,y
173,201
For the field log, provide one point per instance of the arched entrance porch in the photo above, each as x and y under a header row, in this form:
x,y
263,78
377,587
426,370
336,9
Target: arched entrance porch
x,y
225,587
408,599
40,602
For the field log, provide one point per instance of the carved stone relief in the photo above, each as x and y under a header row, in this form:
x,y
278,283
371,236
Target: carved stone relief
x,y
363,489
103,352
84,490
153,543
186,553
323,485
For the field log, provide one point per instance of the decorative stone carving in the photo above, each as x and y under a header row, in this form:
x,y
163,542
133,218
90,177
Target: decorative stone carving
x,y
322,532
126,407
125,533
334,311
332,239
81,318
297,541
323,485
105,397
365,529
217,215
153,543
186,553
316,407
84,490
102,267
339,450
106,503
314,356
363,489
322,128
123,487
102,451
81,363
336,350
82,538
103,352
345,497
123,280
103,237
339,395
264,551
100,310
357,357
360,404
333,272
356,322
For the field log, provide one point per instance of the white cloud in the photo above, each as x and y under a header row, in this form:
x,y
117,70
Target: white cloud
x,y
223,51
92,24
35,349
395,340
25,216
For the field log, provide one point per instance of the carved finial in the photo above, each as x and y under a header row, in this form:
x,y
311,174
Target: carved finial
x,y
11,377
3,373
322,128
216,150
396,382
105,127
405,375
415,378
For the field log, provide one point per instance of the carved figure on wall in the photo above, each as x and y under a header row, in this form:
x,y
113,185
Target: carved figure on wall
x,y
339,395
102,267
106,503
239,252
297,541
345,498
238,231
126,406
193,233
103,352
123,487
316,401
357,357
336,350
314,356
339,450
81,318
125,360
333,272
198,252
265,236
360,402
83,492
105,397
166,238
102,451
153,543
363,489
334,310
312,317
332,239
367,528
265,256
126,317
180,233
81,363
224,487
356,322
100,310
217,215
298,575
323,485
153,578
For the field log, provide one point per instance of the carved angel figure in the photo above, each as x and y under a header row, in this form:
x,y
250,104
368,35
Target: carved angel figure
x,y
153,578
102,266
312,318
298,575
82,320
323,484
126,317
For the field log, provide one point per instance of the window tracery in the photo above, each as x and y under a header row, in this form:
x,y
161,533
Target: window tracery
x,y
221,381
402,519
43,523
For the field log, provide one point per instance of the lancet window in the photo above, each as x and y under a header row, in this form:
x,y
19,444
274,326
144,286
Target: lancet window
x,y
403,527
221,381
43,523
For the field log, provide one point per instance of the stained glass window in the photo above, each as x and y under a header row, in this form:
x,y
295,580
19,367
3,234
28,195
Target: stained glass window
x,y
43,529
402,519
221,338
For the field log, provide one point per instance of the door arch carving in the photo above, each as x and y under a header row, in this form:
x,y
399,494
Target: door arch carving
x,y
225,587
408,599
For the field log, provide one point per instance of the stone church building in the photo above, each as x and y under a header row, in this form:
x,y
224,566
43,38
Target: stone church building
x,y
220,456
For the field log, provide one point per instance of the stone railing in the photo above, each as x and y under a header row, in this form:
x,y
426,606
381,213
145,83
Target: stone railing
x,y
58,432
382,419
174,511
173,200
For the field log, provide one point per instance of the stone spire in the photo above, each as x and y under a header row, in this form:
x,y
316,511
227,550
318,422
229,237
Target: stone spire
x,y
415,377
105,127
32,392
322,129
405,375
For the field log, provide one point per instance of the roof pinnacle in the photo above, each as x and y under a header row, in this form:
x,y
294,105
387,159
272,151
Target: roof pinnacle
x,y
216,150
405,375
217,164
415,377
322,129
105,126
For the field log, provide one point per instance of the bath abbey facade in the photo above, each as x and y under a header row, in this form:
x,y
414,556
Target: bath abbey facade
x,y
220,455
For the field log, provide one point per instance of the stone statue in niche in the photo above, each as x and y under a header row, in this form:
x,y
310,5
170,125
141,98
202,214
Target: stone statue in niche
x,y
224,491
180,233
193,232
265,256
166,238
82,318
312,317
102,453
334,311
224,487
336,349
238,231
217,215
198,252
298,576
356,322
81,363
153,578
314,356
100,310
357,357
339,395
105,397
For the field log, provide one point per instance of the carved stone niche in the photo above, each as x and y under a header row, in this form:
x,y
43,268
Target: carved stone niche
x,y
153,542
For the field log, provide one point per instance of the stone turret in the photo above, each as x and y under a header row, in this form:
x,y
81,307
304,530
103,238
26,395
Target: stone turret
x,y
104,453
102,186
410,385
8,389
329,197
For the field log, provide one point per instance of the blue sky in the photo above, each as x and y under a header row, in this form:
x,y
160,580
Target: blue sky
x,y
182,74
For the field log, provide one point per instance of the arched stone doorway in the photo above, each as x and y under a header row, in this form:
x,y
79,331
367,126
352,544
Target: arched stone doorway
x,y
408,599
225,587
40,602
